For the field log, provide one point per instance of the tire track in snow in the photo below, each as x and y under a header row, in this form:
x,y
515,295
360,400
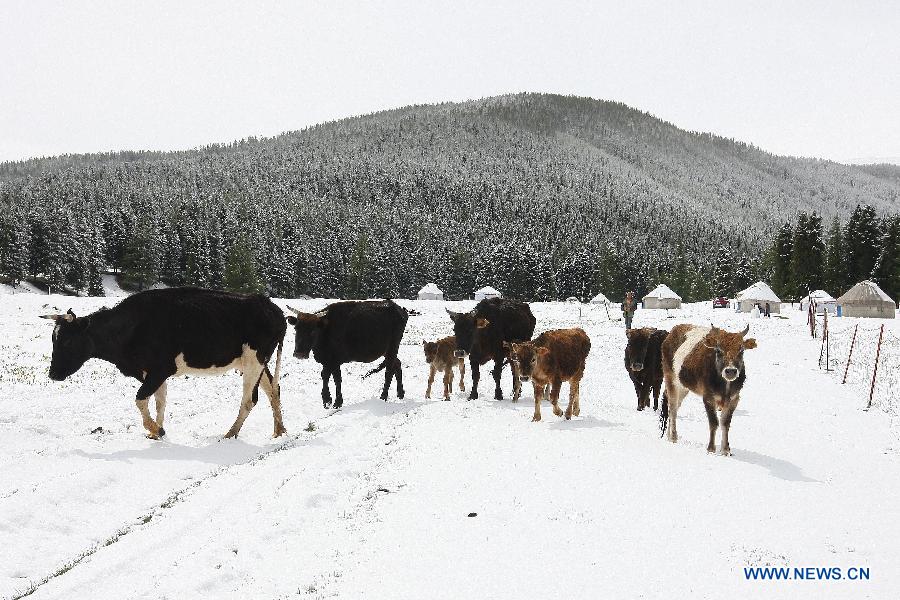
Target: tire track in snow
x,y
173,498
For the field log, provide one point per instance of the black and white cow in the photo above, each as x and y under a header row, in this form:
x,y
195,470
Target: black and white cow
x,y
155,334
352,331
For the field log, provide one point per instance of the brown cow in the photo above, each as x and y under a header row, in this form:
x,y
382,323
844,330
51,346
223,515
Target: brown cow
x,y
643,361
709,362
440,357
550,359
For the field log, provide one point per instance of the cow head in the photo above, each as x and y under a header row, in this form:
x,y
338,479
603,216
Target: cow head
x,y
431,349
728,351
524,358
636,350
465,328
72,345
307,331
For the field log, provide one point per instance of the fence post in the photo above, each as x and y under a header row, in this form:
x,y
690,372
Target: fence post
x,y
852,342
875,370
827,336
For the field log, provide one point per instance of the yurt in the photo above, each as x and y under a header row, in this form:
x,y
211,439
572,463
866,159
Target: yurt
x,y
662,297
599,299
431,292
866,299
759,293
822,300
486,292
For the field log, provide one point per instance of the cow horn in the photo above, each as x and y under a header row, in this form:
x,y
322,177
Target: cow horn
x,y
746,330
293,310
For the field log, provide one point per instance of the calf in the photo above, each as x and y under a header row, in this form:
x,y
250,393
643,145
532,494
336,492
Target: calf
x,y
352,331
709,362
481,333
550,359
440,356
643,361
155,334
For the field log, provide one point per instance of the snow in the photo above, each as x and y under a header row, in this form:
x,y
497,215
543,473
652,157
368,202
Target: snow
x,y
111,286
600,299
758,292
430,288
863,293
374,502
487,291
663,291
23,288
819,296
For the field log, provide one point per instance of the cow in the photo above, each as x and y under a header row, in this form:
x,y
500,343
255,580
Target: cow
x,y
643,361
709,362
352,331
481,332
156,334
550,359
440,356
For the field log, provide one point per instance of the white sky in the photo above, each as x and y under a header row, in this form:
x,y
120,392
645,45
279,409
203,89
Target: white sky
x,y
803,78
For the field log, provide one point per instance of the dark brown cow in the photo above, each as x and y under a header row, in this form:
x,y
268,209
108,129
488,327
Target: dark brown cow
x,y
440,357
643,361
709,362
550,359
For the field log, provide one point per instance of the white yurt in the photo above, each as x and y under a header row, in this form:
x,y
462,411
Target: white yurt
x,y
599,299
662,296
431,292
486,292
866,299
822,300
758,294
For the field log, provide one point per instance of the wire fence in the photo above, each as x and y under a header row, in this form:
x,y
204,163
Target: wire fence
x,y
866,357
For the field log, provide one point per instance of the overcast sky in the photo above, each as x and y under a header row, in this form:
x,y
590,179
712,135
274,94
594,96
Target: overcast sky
x,y
804,78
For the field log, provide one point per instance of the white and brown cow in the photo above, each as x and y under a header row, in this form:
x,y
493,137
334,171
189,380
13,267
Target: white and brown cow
x,y
709,362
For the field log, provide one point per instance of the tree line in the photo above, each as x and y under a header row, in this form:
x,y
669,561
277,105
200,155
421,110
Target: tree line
x,y
809,255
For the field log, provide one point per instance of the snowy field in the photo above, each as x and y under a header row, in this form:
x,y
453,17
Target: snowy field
x,y
373,502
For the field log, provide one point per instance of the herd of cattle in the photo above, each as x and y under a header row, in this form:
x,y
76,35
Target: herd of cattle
x,y
157,334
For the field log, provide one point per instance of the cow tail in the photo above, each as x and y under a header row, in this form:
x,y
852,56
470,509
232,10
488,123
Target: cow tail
x,y
376,369
664,415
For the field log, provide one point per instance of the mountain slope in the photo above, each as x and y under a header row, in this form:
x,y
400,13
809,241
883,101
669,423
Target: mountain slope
x,y
539,195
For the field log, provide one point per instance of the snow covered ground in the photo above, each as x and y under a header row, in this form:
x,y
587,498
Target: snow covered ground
x,y
374,501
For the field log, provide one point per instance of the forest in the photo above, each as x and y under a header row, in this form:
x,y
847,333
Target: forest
x,y
539,195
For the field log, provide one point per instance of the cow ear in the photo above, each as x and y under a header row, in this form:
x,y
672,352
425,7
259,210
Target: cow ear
x,y
541,350
51,317
749,343
291,319
69,316
482,323
452,314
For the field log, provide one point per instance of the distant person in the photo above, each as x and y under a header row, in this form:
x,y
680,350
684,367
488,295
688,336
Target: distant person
x,y
768,310
628,309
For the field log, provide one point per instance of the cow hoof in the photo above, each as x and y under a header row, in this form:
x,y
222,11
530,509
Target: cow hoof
x,y
710,449
401,395
568,417
640,408
152,436
535,418
326,403
446,399
726,452
339,403
162,432
231,435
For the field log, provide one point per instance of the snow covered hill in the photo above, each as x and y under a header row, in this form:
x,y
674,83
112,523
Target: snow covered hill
x,y
374,501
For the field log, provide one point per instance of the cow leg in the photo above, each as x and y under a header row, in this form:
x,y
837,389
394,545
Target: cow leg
x,y
252,372
326,393
575,395
338,391
727,413
713,417
448,383
638,392
675,396
476,375
656,387
152,382
554,397
274,394
398,374
538,396
431,371
498,373
159,398
462,374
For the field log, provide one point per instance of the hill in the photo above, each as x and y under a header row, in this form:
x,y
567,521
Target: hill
x,y
539,195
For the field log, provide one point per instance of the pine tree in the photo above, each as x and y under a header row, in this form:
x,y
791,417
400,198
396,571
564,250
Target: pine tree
x,y
141,264
835,278
861,240
240,269
887,268
782,251
808,255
